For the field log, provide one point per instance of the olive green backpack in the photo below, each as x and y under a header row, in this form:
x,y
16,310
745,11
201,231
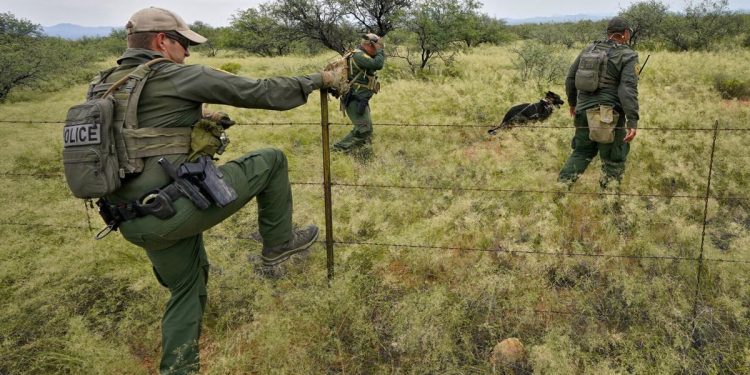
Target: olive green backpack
x,y
592,68
102,143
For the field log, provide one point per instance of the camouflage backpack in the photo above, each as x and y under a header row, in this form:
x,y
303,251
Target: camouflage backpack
x,y
343,65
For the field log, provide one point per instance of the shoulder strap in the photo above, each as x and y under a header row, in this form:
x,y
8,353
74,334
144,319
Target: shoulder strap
x,y
103,75
352,64
138,79
122,80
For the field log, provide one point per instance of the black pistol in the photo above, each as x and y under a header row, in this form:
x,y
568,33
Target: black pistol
x,y
205,174
190,190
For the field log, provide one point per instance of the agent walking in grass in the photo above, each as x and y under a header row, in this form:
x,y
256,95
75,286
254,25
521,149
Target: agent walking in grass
x,y
602,90
364,62
154,208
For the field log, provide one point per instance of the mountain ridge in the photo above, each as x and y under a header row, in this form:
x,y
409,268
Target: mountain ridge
x,y
73,31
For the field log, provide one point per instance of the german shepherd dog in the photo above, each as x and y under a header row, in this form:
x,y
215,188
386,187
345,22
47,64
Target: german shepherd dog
x,y
529,112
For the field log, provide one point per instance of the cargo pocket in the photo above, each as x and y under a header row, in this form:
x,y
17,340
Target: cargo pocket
x,y
602,121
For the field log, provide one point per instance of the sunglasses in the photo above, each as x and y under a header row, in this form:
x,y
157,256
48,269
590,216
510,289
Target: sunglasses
x,y
181,40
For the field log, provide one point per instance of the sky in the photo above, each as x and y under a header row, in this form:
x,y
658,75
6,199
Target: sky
x,y
219,12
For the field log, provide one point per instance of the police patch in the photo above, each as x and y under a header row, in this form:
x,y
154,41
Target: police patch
x,y
81,135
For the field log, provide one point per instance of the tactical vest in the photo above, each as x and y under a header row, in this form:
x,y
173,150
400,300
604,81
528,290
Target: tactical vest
x,y
102,141
592,68
369,81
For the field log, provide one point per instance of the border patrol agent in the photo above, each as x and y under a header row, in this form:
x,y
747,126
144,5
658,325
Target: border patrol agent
x,y
364,62
602,90
172,97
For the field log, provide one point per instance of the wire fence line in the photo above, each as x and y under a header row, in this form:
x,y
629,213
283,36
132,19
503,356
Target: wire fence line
x,y
491,250
700,260
413,125
455,188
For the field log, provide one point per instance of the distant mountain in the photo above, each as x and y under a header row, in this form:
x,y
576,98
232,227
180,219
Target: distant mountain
x,y
71,31
558,19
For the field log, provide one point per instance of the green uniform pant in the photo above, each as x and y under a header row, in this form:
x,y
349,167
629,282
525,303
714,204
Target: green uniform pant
x,y
175,247
361,133
613,154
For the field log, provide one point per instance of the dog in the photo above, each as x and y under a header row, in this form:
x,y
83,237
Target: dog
x,y
529,112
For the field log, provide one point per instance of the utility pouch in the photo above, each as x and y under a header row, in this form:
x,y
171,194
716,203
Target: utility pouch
x,y
209,178
373,84
602,121
207,138
156,203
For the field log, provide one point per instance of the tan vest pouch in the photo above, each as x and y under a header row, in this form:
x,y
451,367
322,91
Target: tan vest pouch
x,y
602,121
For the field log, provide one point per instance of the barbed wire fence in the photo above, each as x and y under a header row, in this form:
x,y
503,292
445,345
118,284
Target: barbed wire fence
x,y
327,184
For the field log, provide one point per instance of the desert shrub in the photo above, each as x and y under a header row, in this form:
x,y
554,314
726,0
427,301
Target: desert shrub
x,y
730,87
540,64
231,67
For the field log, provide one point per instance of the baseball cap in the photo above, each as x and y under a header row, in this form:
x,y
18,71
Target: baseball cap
x,y
618,24
158,19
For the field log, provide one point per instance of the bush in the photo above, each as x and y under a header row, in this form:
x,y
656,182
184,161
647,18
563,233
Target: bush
x,y
231,67
543,65
731,87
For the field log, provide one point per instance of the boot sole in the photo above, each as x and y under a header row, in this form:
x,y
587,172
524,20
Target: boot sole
x,y
270,262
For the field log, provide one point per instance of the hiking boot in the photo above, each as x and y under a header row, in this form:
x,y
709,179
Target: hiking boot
x,y
301,240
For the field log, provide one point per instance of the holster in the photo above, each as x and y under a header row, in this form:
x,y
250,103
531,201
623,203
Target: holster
x,y
204,174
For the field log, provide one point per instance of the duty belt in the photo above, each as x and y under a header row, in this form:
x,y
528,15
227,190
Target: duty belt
x,y
157,203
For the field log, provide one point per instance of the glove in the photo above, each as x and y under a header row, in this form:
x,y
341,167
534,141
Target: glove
x,y
220,118
335,76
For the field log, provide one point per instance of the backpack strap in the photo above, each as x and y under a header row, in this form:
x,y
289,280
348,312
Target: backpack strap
x,y
605,81
96,84
137,79
352,64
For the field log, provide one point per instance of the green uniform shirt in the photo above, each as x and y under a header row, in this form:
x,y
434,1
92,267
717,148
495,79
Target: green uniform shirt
x,y
364,66
174,94
621,69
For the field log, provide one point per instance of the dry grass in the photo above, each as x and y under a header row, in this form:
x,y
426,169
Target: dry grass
x,y
78,306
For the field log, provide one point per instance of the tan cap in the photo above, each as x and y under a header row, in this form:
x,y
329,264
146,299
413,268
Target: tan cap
x,y
158,19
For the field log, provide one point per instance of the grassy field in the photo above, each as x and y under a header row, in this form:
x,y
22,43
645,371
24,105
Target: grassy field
x,y
427,280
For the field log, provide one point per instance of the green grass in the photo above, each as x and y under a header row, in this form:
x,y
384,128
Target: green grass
x,y
79,306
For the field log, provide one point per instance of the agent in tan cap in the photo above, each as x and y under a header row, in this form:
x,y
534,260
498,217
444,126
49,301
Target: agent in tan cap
x,y
171,98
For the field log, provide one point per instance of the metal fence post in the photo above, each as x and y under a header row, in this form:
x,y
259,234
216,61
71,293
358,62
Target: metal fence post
x,y
327,181
703,235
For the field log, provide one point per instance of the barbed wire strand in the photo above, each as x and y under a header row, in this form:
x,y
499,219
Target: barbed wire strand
x,y
499,250
455,188
415,125
430,247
